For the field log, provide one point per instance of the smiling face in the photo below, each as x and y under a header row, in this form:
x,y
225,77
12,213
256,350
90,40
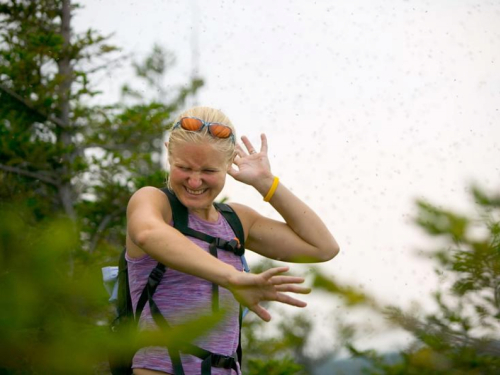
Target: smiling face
x,y
197,176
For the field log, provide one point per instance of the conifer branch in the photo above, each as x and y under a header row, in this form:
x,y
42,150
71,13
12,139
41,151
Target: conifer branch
x,y
32,108
35,175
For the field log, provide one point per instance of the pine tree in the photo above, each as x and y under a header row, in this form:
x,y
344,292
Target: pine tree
x,y
68,165
60,153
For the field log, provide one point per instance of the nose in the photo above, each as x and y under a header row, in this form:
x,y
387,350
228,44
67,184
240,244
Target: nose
x,y
194,181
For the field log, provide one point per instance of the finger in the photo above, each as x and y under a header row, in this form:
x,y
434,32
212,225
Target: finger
x,y
237,160
239,150
263,146
288,300
293,289
232,171
248,145
279,280
261,312
272,272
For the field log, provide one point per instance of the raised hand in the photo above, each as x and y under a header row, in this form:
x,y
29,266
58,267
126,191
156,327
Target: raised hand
x,y
252,166
252,289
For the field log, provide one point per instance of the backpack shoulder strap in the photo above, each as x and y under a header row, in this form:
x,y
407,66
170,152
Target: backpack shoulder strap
x,y
235,223
181,219
179,211
233,220
180,216
125,308
124,304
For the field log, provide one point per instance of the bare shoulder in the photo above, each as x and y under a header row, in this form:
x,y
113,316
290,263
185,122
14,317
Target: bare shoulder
x,y
147,192
150,199
147,208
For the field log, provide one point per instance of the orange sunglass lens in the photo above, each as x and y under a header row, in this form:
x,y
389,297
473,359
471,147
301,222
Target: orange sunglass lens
x,y
191,124
220,131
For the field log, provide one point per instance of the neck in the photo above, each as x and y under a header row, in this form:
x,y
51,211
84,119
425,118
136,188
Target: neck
x,y
209,214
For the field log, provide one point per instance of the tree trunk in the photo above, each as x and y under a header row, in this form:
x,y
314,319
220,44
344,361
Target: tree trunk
x,y
66,192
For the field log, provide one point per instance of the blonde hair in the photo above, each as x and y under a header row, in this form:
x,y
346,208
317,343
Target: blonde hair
x,y
178,135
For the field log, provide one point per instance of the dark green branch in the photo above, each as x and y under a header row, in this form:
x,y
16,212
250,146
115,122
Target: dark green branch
x,y
32,108
35,175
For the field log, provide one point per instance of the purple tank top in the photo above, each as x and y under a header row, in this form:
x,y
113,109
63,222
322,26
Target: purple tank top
x,y
181,297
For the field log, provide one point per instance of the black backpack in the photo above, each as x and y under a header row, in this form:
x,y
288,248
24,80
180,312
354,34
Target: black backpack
x,y
121,361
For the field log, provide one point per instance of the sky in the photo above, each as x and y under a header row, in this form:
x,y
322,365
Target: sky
x,y
368,105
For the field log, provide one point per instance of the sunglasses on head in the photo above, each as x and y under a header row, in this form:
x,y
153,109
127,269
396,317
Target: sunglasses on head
x,y
195,124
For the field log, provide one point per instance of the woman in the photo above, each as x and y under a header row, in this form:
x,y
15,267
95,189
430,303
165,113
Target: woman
x,y
202,149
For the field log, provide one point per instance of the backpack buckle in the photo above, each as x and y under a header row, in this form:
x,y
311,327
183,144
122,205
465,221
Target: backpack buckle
x,y
235,247
223,361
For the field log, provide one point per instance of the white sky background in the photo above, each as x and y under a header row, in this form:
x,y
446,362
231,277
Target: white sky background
x,y
367,105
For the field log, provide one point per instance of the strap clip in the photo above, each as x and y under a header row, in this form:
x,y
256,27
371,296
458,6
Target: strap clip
x,y
223,361
234,246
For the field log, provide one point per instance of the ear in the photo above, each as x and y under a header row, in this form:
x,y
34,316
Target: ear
x,y
166,145
231,162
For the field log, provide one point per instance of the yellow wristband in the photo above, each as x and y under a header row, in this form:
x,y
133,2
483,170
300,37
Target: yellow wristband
x,y
271,191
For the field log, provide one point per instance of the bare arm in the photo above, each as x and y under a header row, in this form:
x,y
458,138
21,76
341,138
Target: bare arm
x,y
148,231
303,237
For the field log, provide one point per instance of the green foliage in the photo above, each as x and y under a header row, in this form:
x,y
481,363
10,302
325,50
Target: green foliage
x,y
87,166
53,321
46,315
280,353
68,166
351,295
285,366
461,337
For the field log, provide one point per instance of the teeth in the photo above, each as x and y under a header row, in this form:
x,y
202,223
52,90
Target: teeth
x,y
195,192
